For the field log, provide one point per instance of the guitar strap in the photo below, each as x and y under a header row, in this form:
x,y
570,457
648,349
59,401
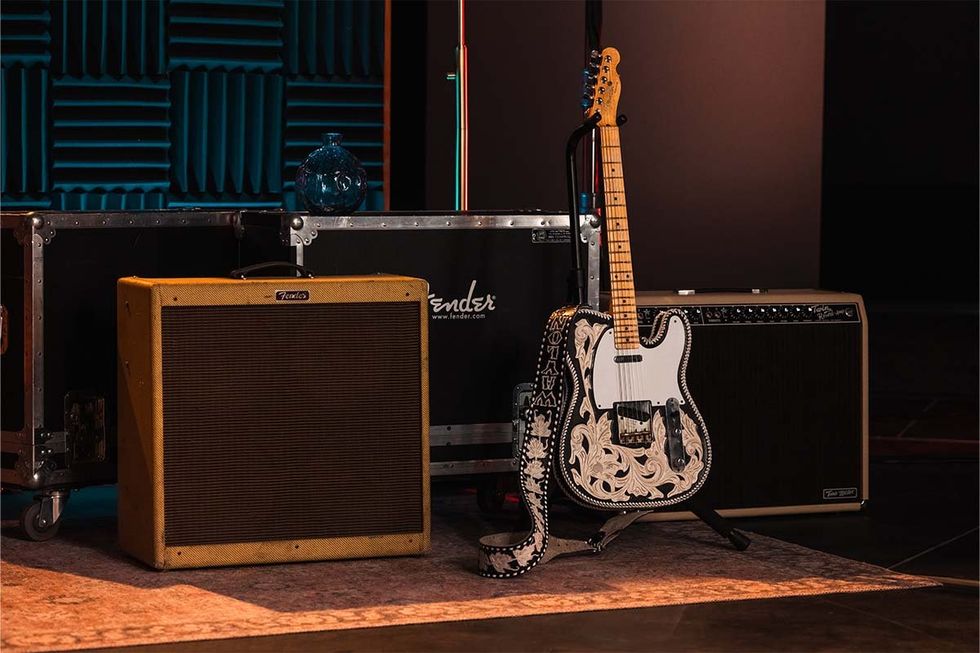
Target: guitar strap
x,y
505,555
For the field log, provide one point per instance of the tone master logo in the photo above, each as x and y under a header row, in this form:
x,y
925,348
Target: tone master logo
x,y
471,307
840,493
292,295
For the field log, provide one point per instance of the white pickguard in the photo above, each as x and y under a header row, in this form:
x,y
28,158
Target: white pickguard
x,y
654,379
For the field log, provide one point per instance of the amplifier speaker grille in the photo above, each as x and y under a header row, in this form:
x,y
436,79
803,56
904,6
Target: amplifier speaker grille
x,y
286,422
783,406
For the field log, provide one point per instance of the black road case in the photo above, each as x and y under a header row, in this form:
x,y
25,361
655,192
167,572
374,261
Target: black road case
x,y
59,369
494,279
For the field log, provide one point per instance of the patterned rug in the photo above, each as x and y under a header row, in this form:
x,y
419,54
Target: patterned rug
x,y
79,591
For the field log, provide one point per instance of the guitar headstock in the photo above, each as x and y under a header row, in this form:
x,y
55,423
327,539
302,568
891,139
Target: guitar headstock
x,y
602,86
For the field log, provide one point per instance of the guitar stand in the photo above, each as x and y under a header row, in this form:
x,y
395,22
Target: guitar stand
x,y
722,526
577,280
577,290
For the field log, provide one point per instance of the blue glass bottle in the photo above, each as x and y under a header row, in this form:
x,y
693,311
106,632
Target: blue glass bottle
x,y
331,181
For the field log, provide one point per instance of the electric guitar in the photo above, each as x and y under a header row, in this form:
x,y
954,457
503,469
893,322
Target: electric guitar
x,y
630,436
610,416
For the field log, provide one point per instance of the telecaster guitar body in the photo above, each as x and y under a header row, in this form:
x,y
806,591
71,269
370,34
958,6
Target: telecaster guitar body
x,y
630,434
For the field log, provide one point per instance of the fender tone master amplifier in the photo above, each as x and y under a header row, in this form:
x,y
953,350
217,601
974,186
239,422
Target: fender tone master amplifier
x,y
781,379
272,419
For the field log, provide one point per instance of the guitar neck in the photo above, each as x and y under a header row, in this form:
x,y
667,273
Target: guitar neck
x,y
623,308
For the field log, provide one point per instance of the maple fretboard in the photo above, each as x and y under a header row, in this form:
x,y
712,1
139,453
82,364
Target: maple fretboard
x,y
623,307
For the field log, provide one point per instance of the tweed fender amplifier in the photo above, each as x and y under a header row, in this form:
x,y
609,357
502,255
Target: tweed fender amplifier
x,y
781,379
272,419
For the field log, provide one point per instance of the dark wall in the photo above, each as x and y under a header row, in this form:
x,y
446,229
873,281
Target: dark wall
x,y
525,61
722,151
900,212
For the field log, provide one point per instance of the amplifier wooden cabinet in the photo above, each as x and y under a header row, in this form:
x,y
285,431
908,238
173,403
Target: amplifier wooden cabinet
x,y
272,419
781,377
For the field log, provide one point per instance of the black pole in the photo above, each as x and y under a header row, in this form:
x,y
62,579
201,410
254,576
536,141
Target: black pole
x,y
571,179
593,43
593,25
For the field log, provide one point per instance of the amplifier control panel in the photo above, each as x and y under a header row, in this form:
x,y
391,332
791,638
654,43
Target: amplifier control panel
x,y
709,314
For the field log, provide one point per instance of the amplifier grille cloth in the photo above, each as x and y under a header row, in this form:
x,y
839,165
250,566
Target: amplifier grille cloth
x,y
291,422
783,408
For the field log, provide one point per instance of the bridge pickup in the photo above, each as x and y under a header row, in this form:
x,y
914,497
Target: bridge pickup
x,y
676,457
634,422
627,358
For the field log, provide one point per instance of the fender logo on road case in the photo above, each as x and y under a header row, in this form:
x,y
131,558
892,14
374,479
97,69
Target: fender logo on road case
x,y
470,307
292,295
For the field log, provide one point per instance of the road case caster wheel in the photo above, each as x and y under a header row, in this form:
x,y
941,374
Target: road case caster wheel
x,y
36,527
41,520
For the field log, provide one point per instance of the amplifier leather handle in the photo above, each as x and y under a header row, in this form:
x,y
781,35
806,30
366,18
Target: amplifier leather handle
x,y
243,273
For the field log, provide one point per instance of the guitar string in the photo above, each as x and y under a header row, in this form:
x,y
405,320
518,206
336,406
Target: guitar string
x,y
613,212
603,135
631,379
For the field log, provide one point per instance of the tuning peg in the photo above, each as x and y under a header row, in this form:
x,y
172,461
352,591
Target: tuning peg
x,y
595,56
585,103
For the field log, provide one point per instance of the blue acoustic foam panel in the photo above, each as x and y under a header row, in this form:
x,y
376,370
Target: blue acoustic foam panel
x,y
229,35
109,201
110,134
178,103
354,108
24,25
338,37
108,37
223,201
227,132
23,131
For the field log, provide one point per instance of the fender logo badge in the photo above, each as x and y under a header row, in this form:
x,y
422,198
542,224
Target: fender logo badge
x,y
292,295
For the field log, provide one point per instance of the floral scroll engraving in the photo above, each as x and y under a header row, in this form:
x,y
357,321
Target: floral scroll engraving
x,y
608,471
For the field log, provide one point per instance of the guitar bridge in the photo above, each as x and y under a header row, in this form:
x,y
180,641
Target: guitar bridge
x,y
634,421
675,436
